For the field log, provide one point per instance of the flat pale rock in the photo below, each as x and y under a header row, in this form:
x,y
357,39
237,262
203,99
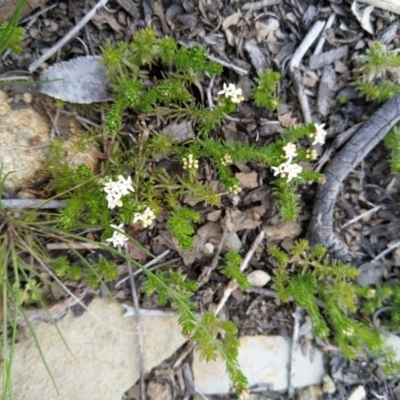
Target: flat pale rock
x,y
264,360
103,362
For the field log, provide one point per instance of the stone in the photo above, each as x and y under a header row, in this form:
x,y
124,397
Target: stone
x,y
310,393
24,145
103,360
264,360
24,140
328,386
232,242
258,278
358,393
208,249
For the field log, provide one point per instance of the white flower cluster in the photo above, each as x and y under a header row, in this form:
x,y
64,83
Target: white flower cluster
x,y
235,189
232,92
190,163
290,151
319,134
116,190
118,239
226,160
146,217
288,169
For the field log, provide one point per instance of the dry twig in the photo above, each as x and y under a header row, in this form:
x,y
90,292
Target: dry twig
x,y
294,68
67,37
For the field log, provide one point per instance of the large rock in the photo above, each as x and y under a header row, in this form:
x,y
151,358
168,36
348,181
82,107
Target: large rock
x,y
24,145
103,359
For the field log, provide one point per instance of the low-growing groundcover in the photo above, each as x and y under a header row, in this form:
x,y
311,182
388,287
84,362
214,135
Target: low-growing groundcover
x,y
154,82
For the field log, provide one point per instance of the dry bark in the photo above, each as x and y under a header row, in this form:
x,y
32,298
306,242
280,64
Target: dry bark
x,y
371,133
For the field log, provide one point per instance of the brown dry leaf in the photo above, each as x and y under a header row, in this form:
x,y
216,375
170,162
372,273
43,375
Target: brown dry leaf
x,y
237,220
248,179
179,133
102,16
282,231
233,19
214,216
136,252
134,249
265,27
287,121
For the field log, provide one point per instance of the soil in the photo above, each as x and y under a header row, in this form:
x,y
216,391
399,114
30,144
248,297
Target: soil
x,y
242,32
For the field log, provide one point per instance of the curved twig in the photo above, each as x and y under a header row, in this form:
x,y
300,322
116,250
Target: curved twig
x,y
370,134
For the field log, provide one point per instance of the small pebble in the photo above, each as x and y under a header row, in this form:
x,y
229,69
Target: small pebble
x,y
328,386
27,97
310,393
208,249
358,393
258,278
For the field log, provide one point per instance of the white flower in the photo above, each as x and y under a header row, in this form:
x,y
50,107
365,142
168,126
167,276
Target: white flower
x,y
125,185
319,134
290,151
293,170
117,239
235,189
146,217
232,92
287,169
226,160
116,190
190,162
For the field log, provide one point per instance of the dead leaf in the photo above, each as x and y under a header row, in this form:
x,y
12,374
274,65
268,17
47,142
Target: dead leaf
x,y
388,5
257,57
248,179
363,16
81,80
214,216
233,19
282,231
237,220
102,16
286,120
179,133
265,27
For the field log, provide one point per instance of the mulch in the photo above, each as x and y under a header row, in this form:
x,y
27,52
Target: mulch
x,y
246,37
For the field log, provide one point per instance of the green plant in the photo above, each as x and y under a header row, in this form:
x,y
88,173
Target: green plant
x,y
10,34
231,269
264,93
338,307
180,224
375,68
